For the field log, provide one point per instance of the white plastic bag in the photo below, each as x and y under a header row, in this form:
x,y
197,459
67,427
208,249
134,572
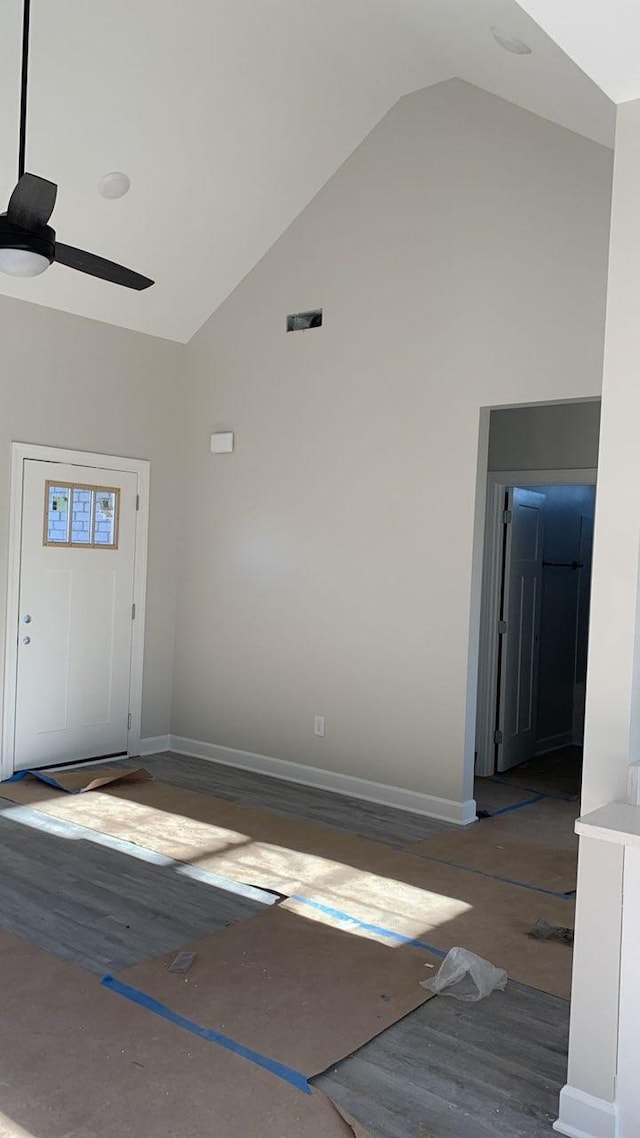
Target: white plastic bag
x,y
465,976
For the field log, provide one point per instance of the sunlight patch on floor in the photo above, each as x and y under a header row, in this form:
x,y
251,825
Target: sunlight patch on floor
x,y
235,861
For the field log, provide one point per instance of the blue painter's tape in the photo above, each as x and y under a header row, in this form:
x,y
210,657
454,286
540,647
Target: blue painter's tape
x,y
518,805
568,896
532,790
52,782
379,930
19,775
295,1078
72,831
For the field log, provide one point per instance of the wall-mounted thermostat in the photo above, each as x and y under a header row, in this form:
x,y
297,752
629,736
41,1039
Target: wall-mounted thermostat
x,y
222,442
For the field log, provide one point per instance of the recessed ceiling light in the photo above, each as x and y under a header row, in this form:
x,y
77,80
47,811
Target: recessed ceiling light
x,y
510,43
114,185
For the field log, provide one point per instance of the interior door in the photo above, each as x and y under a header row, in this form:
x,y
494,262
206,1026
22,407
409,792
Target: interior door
x,y
585,557
75,614
522,590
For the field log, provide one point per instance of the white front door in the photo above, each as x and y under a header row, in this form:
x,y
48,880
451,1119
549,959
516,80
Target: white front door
x,y
520,640
75,613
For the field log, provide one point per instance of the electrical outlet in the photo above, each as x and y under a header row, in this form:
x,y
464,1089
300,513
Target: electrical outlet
x,y
318,726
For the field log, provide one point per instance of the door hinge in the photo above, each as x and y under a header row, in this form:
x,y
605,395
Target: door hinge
x,y
502,627
129,722
497,737
507,517
137,501
133,611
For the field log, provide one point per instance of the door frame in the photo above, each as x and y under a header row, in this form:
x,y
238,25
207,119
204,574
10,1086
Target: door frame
x,y
140,466
497,483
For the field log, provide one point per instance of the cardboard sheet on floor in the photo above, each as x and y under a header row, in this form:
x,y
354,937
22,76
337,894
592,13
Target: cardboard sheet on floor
x,y
536,845
493,797
86,1063
406,894
81,781
186,825
444,907
557,773
304,993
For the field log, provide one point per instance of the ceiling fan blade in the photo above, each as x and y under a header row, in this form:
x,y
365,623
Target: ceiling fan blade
x,y
31,203
99,267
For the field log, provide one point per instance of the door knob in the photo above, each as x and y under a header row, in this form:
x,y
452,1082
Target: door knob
x,y
26,618
26,640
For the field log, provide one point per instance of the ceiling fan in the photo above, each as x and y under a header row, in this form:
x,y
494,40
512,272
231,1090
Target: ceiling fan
x,y
28,244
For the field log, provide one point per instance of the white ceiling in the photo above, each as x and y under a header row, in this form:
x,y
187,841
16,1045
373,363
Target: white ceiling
x,y
601,37
228,116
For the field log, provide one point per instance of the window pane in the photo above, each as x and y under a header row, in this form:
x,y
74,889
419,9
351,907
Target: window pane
x,y
58,513
84,517
105,520
81,516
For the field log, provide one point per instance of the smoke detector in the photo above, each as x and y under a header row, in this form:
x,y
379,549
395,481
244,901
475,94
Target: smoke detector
x,y
510,43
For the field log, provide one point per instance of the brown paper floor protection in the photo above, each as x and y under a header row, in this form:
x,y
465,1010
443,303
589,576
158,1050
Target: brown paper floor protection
x,y
90,778
536,845
86,1063
557,773
494,796
303,993
409,895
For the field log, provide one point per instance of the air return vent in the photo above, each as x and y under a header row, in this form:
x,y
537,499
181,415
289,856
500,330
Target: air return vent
x,y
301,321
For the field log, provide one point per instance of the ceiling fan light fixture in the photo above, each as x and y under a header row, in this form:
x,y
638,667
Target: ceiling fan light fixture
x,y
509,42
22,263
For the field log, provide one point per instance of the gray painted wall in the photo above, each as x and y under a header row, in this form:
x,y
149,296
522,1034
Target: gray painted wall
x,y
460,257
72,382
562,436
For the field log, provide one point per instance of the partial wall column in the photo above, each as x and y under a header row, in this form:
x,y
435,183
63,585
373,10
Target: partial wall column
x,y
587,1108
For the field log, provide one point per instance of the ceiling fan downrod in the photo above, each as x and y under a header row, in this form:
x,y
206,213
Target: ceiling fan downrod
x,y
24,81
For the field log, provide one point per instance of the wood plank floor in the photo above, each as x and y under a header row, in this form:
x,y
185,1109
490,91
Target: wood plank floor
x,y
354,816
103,903
449,1070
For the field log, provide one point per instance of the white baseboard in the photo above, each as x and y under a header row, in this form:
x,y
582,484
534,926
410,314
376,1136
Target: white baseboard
x,y
154,745
583,1116
444,809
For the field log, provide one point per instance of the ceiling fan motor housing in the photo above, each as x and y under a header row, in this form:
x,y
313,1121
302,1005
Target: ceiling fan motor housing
x,y
41,240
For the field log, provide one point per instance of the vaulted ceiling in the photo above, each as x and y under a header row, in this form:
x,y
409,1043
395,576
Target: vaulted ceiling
x,y
229,115
601,36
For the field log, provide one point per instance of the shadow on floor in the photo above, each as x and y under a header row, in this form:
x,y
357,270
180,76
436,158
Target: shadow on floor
x,y
559,773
